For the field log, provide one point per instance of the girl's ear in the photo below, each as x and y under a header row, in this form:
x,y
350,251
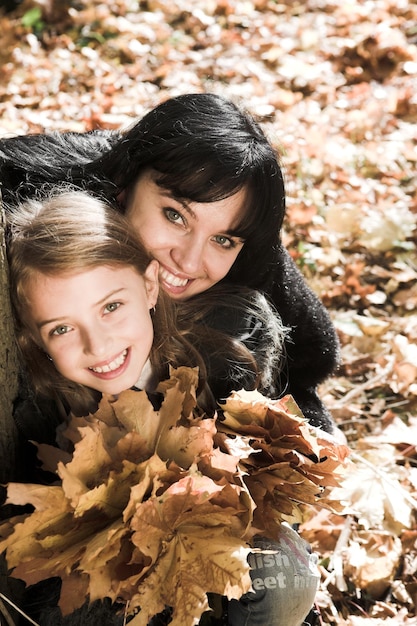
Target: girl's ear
x,y
152,282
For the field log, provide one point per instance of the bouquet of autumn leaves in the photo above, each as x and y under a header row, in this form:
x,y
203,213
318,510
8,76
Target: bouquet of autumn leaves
x,y
156,508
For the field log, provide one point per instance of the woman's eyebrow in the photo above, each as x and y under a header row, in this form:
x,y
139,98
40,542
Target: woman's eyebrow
x,y
181,201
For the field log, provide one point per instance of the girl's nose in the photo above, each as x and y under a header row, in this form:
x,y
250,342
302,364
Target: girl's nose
x,y
96,342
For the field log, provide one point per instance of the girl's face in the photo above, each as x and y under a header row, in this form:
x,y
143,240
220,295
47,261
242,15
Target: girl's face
x,y
193,242
95,325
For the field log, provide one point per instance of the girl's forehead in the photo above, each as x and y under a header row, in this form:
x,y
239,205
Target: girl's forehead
x,y
34,278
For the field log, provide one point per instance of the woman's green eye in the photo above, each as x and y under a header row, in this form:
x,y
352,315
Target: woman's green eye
x,y
173,216
224,241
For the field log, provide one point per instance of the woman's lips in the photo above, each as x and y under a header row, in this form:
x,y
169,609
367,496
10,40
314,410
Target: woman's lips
x,y
171,279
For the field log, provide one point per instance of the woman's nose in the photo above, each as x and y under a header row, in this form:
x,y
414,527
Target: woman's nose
x,y
188,257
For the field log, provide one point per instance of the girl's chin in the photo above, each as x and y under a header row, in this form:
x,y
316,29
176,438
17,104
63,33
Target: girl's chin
x,y
115,390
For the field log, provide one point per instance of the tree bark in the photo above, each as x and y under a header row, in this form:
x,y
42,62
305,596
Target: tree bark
x,y
8,370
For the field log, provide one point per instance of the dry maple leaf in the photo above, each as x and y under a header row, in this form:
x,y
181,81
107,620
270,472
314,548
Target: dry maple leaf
x,y
291,463
373,491
371,560
195,540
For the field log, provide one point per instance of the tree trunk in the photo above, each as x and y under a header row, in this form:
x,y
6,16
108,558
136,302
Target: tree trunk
x,y
8,370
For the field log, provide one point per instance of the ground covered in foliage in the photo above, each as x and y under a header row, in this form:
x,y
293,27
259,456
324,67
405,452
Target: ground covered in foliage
x,y
334,85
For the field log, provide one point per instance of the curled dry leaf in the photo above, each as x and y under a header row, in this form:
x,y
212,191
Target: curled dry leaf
x,y
294,463
156,508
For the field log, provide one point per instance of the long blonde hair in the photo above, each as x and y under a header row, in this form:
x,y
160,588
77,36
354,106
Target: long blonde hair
x,y
69,230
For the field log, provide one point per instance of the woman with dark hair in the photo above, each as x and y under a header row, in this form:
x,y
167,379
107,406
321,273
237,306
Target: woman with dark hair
x,y
199,180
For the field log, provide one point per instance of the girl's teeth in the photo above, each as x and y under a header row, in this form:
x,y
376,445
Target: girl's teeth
x,y
169,278
113,365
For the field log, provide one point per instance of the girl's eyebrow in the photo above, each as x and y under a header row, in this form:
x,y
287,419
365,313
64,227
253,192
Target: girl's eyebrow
x,y
39,325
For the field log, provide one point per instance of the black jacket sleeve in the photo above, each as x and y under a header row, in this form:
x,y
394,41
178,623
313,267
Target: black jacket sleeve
x,y
312,346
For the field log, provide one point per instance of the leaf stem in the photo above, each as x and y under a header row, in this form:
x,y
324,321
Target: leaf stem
x,y
7,615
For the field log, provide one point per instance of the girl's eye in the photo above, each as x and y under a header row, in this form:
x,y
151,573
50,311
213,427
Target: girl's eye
x,y
112,306
61,330
173,216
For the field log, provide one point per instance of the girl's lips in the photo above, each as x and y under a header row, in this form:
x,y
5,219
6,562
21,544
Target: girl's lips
x,y
114,368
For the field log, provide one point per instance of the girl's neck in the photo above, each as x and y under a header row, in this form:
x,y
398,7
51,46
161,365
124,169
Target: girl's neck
x,y
145,377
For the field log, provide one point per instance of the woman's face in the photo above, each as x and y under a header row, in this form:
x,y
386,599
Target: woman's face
x,y
95,325
193,242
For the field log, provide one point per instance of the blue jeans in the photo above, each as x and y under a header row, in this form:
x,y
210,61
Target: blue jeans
x,y
285,579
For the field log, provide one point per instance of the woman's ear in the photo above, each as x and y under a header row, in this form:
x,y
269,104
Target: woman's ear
x,y
152,282
121,199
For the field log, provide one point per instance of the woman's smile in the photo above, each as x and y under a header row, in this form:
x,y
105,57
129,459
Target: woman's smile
x,y
173,284
194,243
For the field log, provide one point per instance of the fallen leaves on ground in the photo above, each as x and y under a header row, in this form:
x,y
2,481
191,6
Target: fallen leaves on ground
x,y
367,551
334,85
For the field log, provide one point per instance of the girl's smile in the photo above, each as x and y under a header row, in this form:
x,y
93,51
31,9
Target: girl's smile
x,y
113,368
95,325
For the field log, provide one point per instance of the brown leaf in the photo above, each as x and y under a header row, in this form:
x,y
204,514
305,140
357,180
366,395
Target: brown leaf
x,y
291,462
195,546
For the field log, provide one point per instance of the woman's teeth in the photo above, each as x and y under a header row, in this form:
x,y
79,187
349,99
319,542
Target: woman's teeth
x,y
169,278
113,365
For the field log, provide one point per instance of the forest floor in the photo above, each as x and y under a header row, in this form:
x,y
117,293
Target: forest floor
x,y
334,84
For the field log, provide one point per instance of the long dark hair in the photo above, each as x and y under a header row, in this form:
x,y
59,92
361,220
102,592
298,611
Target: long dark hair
x,y
203,148
30,162
241,338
